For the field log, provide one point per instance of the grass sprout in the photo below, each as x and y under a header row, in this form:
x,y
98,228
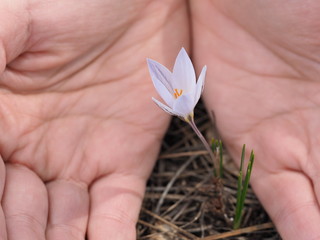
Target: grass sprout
x,y
242,187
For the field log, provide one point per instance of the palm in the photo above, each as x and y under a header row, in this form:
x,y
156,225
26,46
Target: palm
x,y
76,113
264,92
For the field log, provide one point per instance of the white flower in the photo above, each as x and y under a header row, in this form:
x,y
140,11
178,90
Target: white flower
x,y
178,89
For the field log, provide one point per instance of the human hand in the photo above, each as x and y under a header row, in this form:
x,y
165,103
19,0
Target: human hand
x,y
263,85
80,133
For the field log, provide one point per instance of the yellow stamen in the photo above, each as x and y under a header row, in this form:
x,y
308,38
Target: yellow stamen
x,y
177,93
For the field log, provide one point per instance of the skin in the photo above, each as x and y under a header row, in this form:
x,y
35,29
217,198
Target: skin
x,y
263,86
80,133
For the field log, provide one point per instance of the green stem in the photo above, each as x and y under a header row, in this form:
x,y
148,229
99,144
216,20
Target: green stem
x,y
204,141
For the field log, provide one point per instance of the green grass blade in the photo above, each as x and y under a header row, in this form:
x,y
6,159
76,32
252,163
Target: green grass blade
x,y
238,212
245,187
248,175
213,148
220,159
243,154
216,146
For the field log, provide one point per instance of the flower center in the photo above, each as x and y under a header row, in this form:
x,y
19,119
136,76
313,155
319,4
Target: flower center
x,y
177,93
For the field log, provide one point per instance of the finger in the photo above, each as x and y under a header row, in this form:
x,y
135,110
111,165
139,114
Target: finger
x,y
68,210
25,204
290,200
15,29
3,231
115,206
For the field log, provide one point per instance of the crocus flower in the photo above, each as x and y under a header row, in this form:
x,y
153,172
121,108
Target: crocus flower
x,y
178,89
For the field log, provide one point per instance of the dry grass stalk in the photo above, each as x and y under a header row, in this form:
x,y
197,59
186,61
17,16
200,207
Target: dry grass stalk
x,y
185,202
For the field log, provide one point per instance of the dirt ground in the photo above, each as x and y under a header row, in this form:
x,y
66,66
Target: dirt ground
x,y
184,201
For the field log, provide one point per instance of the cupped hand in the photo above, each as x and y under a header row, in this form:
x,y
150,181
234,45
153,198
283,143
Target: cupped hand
x,y
79,132
263,86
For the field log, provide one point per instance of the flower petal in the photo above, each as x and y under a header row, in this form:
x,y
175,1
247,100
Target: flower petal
x,y
160,73
164,93
164,107
184,105
161,78
183,72
200,84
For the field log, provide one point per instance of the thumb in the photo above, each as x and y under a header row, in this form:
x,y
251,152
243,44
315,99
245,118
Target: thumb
x,y
3,232
14,30
115,205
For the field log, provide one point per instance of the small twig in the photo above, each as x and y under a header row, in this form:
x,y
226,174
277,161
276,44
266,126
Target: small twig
x,y
187,195
190,235
240,231
169,185
183,154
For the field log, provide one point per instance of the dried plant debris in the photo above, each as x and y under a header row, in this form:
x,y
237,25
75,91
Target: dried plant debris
x,y
185,201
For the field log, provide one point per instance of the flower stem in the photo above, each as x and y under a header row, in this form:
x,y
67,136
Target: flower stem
x,y
204,141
